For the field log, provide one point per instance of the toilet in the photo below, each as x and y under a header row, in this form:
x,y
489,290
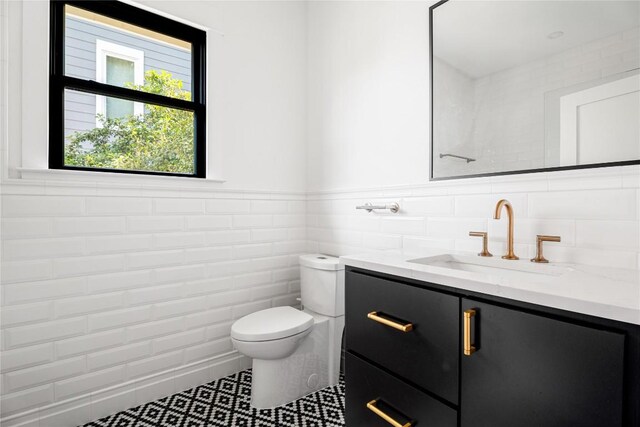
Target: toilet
x,y
296,352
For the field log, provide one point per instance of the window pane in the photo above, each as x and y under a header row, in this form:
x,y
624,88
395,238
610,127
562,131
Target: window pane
x,y
119,71
153,138
110,51
118,108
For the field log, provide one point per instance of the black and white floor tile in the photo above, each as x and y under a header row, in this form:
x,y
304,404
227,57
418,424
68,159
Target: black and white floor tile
x,y
226,403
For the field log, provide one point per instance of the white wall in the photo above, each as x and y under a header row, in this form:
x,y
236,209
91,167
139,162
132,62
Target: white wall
x,y
368,120
367,94
120,290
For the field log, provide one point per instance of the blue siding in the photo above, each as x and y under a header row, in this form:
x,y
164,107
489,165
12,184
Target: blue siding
x,y
80,61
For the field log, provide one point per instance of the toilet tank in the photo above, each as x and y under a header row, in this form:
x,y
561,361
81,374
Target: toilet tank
x,y
322,284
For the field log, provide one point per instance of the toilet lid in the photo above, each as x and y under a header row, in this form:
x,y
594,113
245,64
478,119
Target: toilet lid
x,y
271,324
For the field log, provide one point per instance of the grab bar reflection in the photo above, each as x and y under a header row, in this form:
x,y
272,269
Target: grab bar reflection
x,y
468,159
393,207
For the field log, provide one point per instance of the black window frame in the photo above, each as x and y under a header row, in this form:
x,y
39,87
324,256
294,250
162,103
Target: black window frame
x,y
58,81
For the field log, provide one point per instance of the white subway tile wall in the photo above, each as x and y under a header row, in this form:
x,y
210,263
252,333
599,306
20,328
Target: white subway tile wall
x,y
99,292
596,212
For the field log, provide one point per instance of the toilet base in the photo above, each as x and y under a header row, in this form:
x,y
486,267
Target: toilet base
x,y
310,368
278,382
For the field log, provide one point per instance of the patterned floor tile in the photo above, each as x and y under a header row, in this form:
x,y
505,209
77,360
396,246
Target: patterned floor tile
x,y
226,403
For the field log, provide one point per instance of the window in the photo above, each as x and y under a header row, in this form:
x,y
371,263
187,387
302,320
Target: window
x,y
127,91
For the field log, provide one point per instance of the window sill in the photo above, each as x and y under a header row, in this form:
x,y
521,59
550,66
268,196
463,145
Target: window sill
x,y
115,178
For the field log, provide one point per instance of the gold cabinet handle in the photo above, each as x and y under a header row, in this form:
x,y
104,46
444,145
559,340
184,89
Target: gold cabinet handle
x,y
407,327
469,349
373,408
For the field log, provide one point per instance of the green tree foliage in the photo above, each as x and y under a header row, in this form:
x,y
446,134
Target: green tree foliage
x,y
160,140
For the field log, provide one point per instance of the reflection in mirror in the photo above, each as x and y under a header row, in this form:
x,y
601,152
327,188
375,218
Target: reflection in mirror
x,y
530,85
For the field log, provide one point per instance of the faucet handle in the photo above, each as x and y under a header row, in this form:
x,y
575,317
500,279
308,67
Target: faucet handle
x,y
484,235
540,238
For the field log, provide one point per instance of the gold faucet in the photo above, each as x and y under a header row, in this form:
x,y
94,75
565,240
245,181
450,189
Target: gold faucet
x,y
485,237
505,203
539,239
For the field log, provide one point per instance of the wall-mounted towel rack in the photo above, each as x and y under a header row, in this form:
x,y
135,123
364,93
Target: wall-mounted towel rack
x,y
393,207
468,159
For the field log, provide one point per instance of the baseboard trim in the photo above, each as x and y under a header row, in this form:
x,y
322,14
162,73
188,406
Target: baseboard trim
x,y
100,403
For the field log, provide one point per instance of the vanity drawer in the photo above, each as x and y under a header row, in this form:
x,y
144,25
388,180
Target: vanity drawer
x,y
426,355
367,384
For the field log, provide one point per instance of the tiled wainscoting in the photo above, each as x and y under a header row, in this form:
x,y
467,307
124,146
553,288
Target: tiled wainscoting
x,y
117,295
596,212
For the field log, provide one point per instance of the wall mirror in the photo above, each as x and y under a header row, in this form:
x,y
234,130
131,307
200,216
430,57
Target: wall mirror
x,y
524,86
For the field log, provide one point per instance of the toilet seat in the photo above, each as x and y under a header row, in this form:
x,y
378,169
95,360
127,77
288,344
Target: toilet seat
x,y
271,324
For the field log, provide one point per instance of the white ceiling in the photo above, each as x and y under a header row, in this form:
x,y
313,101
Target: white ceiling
x,y
483,37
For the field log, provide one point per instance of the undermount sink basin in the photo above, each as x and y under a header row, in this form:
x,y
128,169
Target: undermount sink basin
x,y
495,266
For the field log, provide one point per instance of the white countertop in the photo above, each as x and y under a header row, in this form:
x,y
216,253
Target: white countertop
x,y
604,292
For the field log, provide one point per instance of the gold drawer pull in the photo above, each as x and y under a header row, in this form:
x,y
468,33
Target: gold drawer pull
x,y
407,327
469,349
373,408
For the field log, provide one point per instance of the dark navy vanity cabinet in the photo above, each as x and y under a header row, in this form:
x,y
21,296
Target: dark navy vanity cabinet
x,y
422,354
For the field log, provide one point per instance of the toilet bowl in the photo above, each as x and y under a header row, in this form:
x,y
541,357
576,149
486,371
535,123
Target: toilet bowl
x,y
270,334
296,352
